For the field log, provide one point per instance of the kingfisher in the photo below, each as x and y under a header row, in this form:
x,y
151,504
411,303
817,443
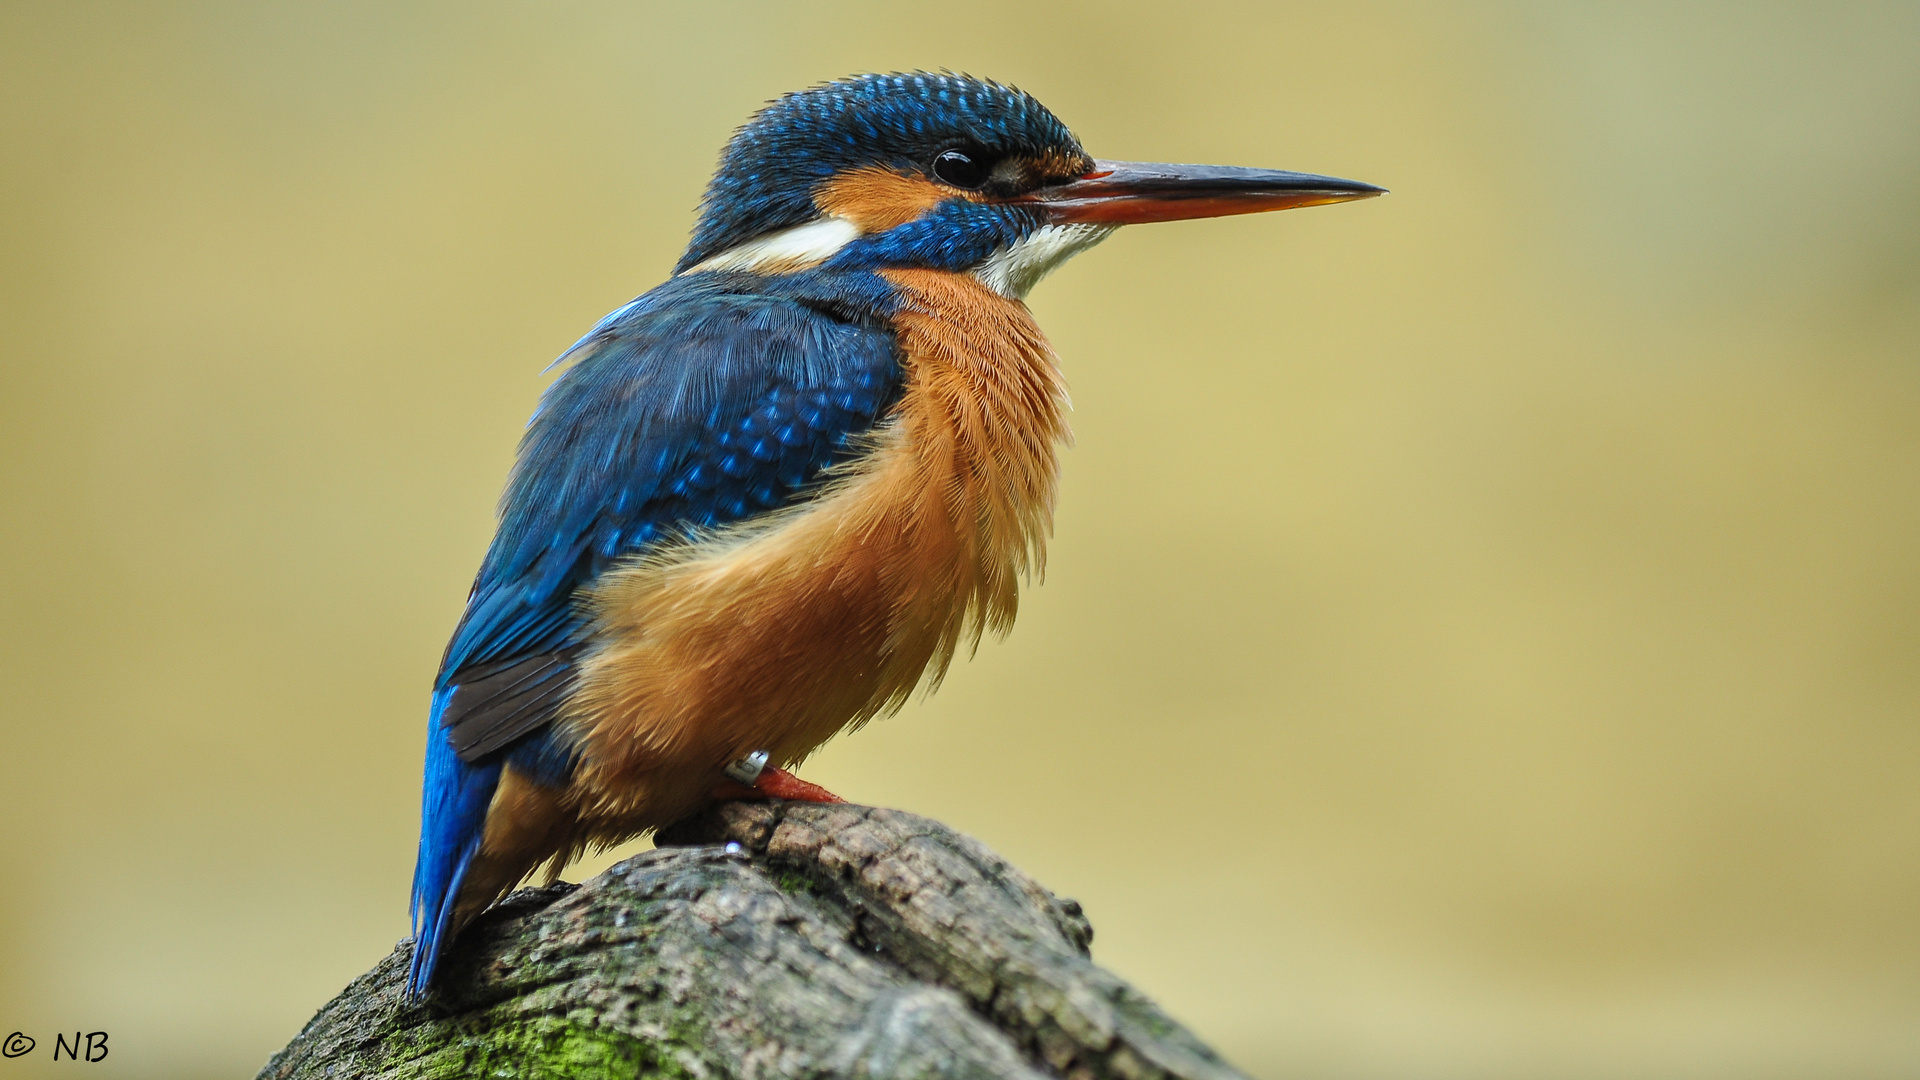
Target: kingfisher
x,y
773,495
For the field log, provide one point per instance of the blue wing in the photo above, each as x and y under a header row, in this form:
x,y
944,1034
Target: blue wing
x,y
708,400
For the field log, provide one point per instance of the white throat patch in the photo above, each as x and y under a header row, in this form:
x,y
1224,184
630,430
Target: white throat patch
x,y
1013,271
786,251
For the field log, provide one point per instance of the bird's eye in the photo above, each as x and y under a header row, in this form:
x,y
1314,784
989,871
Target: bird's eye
x,y
959,168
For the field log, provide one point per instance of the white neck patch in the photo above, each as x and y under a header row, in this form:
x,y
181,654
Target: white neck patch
x,y
1012,271
786,251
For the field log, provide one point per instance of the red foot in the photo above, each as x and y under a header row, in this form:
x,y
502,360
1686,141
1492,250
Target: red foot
x,y
775,784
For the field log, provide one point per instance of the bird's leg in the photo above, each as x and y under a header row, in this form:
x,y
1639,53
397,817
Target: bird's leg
x,y
774,783
751,778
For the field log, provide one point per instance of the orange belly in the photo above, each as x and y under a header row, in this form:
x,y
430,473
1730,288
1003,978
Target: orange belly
x,y
775,635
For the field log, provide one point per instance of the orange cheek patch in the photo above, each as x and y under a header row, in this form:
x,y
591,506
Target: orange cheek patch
x,y
877,199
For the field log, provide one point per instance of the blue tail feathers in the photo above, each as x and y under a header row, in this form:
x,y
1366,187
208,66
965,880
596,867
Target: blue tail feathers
x,y
453,816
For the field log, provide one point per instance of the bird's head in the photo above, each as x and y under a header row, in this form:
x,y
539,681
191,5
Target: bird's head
x,y
948,172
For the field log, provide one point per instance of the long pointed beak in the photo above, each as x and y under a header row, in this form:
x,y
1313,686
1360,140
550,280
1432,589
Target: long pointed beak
x,y
1136,192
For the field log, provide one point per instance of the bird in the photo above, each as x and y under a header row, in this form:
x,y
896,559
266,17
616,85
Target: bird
x,y
772,496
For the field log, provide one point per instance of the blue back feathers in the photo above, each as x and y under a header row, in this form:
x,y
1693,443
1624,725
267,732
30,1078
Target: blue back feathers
x,y
710,399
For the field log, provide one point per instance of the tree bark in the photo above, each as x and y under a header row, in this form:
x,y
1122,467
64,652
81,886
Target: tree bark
x,y
766,940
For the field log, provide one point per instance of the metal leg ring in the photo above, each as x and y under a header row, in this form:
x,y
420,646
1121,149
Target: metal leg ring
x,y
748,769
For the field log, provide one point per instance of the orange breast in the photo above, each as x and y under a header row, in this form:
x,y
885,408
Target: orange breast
x,y
777,634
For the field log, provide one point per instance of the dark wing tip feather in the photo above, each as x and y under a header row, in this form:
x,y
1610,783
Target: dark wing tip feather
x,y
495,704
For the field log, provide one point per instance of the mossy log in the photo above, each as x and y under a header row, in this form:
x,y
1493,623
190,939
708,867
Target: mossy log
x,y
766,940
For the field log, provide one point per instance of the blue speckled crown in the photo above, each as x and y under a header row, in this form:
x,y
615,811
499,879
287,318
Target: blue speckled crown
x,y
769,170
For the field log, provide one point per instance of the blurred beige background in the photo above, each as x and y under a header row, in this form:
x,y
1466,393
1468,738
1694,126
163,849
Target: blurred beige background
x,y
1481,633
